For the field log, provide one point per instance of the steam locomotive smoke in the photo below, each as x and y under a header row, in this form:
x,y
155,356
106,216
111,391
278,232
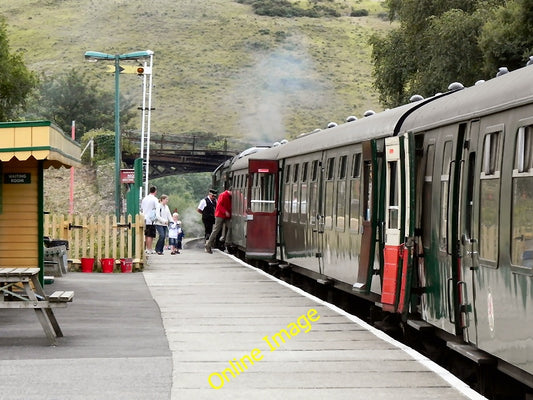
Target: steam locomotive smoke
x,y
278,82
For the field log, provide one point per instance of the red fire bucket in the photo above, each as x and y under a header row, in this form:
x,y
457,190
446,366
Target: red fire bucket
x,y
126,264
107,265
87,264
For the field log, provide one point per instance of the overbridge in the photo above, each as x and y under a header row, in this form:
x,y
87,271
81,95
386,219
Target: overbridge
x,y
180,154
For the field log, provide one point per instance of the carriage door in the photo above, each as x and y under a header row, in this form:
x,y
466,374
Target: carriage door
x,y
398,250
316,213
368,262
479,202
440,265
261,210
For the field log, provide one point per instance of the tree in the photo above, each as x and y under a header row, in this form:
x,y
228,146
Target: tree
x,y
16,81
436,43
72,97
452,53
506,39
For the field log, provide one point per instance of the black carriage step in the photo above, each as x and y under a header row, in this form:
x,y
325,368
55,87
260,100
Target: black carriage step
x,y
470,352
419,325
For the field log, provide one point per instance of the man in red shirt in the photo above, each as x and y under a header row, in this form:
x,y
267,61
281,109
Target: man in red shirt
x,y
222,218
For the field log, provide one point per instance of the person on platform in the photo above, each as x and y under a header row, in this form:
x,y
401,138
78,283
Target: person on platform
x,y
163,218
181,235
207,209
174,230
149,207
222,219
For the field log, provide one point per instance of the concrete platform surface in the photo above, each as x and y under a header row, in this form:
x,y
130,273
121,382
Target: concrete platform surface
x,y
206,326
218,312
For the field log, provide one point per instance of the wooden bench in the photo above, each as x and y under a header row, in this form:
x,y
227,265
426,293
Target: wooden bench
x,y
61,297
55,260
20,288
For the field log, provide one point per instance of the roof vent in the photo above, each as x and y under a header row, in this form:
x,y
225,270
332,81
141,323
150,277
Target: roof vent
x,y
368,113
456,86
502,71
415,97
479,82
530,61
351,118
332,125
284,141
276,144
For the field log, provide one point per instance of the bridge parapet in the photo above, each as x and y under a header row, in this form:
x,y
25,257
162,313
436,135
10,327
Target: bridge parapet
x,y
178,154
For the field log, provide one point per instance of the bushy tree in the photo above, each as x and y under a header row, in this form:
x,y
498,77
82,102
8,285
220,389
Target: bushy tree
x,y
16,81
442,41
506,38
73,97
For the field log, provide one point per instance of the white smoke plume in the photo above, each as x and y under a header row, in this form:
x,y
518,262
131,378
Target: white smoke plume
x,y
278,82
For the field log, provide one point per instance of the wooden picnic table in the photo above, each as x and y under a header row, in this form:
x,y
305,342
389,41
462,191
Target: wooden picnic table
x,y
20,288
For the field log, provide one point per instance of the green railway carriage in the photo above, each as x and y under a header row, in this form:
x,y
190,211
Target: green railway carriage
x,y
425,209
475,176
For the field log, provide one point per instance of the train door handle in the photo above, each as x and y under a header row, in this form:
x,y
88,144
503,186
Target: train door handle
x,y
464,303
449,290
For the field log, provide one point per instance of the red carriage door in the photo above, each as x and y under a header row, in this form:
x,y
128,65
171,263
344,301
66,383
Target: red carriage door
x,y
262,209
397,269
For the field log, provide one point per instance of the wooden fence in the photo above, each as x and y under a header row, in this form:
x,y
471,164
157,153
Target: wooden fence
x,y
99,237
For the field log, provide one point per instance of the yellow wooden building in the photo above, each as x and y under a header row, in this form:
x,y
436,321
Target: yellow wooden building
x,y
26,149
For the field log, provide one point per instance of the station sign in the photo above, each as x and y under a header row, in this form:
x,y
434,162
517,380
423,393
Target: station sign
x,y
127,176
18,177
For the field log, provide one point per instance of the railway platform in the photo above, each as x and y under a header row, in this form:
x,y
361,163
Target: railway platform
x,y
207,326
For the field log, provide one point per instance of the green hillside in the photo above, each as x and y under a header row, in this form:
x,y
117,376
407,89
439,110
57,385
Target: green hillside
x,y
218,67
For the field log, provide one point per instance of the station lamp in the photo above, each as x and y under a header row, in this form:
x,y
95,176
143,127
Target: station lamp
x,y
93,56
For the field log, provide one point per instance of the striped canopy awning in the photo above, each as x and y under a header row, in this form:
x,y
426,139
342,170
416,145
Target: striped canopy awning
x,y
40,140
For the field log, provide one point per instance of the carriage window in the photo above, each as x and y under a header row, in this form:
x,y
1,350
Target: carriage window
x,y
330,168
287,193
303,202
356,165
355,192
393,200
489,200
524,148
304,171
342,167
295,172
328,211
313,199
287,174
303,194
295,202
444,185
367,191
341,204
287,202
426,193
263,190
314,171
313,193
341,194
490,153
329,193
522,200
355,196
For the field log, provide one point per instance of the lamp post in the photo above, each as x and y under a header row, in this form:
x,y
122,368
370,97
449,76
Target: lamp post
x,y
94,56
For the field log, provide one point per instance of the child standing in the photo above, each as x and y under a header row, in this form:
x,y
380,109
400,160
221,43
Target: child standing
x,y
181,234
173,234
